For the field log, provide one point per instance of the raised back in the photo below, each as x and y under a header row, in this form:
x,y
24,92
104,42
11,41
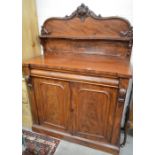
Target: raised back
x,y
83,32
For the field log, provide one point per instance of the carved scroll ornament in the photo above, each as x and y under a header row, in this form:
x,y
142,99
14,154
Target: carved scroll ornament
x,y
122,95
83,12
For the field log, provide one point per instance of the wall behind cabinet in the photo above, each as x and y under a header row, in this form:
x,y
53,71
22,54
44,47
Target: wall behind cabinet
x,y
30,48
60,8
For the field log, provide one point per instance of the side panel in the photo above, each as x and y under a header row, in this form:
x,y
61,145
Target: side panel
x,y
123,85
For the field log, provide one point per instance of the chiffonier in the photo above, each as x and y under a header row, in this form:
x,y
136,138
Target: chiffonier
x,y
77,88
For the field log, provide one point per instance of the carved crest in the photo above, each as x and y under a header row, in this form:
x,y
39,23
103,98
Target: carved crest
x,y
83,12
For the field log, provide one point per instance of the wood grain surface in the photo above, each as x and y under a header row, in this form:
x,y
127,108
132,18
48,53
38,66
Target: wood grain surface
x,y
78,87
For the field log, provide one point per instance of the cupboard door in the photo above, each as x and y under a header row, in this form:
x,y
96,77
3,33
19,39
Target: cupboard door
x,y
94,108
53,100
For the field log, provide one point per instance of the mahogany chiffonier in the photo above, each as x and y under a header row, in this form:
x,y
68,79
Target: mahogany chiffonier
x,y
77,88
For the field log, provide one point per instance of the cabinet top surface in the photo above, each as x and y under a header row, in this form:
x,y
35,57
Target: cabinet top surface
x,y
98,65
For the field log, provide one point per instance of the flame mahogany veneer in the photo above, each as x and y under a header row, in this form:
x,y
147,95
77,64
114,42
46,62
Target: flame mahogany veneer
x,y
77,88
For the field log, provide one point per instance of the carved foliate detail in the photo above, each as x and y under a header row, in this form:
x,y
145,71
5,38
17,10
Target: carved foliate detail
x,y
44,31
129,35
83,12
122,95
28,81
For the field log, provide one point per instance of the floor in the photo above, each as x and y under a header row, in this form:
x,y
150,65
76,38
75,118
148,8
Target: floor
x,y
67,148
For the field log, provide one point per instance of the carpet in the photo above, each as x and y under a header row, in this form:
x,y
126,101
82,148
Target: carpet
x,y
38,144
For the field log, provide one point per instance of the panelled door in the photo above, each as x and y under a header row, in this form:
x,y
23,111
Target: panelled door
x,y
53,103
82,109
93,111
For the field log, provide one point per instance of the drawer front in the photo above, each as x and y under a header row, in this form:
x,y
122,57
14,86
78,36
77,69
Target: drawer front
x,y
70,77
